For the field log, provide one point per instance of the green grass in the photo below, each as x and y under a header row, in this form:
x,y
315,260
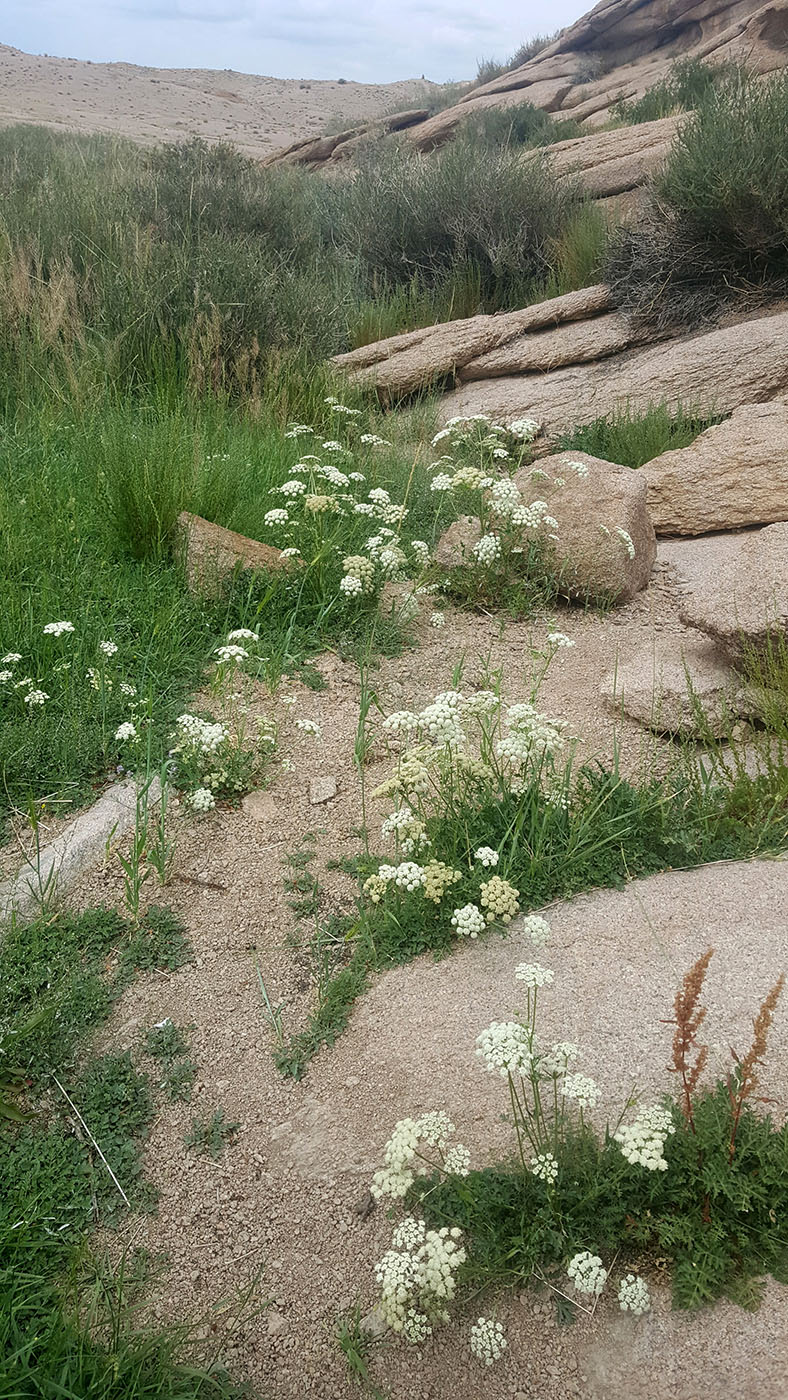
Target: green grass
x,y
635,438
68,1321
88,500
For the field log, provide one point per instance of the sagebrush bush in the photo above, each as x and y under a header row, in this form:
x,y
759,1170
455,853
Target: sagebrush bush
x,y
717,231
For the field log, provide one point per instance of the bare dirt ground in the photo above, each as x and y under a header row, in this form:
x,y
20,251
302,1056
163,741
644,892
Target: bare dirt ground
x,y
255,114
289,1199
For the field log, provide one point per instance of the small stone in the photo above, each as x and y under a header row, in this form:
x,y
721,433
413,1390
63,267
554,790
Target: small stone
x,y
260,806
322,790
373,1324
276,1324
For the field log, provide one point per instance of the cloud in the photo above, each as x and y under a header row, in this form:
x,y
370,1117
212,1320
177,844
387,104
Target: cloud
x,y
370,40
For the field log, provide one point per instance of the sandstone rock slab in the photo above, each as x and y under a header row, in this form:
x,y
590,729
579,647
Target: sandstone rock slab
x,y
605,542
720,370
570,344
211,552
744,608
404,363
680,685
733,475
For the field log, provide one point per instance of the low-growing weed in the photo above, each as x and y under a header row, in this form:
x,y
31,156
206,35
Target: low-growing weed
x,y
168,1044
210,1136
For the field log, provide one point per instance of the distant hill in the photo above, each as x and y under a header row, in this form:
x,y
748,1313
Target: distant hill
x,y
256,114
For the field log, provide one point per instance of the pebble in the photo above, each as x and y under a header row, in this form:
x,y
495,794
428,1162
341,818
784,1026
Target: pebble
x,y
322,790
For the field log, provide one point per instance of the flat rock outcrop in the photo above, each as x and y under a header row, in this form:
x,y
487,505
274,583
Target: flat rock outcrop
x,y
680,685
721,370
733,475
744,607
415,359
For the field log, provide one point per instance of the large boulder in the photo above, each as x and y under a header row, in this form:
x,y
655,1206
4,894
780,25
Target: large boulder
x,y
719,370
605,539
734,474
744,606
678,685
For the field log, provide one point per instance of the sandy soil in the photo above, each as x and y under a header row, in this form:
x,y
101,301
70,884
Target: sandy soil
x,y
255,114
290,1198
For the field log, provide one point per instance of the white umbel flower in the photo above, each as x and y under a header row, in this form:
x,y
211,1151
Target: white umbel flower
x,y
486,856
201,800
585,1092
587,1273
58,629
633,1295
544,1166
108,648
534,975
488,1342
536,928
643,1142
125,731
469,921
506,1048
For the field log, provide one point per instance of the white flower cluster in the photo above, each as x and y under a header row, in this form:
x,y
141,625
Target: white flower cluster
x,y
525,428
398,1173
500,899
544,1166
627,541
486,856
58,629
311,727
417,1280
407,876
108,648
487,549
199,735
201,800
532,737
506,1048
35,697
579,468
534,975
536,928
633,1295
126,731
279,516
587,1273
559,640
557,1059
584,1091
437,619
643,1142
488,1342
231,654
469,921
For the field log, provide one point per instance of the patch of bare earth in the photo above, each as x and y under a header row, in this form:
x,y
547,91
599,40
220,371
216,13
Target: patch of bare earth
x,y
290,1198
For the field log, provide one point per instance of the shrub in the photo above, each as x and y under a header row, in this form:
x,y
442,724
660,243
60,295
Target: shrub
x,y
717,233
432,218
687,84
523,125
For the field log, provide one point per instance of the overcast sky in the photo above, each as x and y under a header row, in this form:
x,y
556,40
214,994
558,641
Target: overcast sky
x,y
367,40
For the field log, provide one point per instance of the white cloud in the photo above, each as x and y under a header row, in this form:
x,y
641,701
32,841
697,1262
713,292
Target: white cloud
x,y
368,40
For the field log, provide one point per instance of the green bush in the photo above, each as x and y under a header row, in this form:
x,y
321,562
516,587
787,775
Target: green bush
x,y
523,125
687,84
430,218
635,438
717,233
